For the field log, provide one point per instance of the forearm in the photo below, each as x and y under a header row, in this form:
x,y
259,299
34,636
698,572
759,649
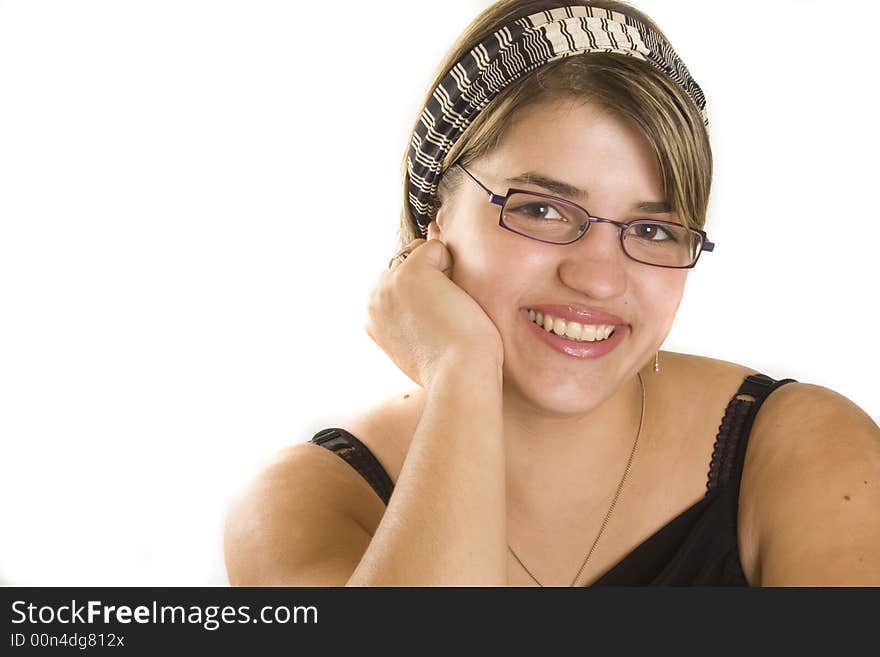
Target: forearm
x,y
446,521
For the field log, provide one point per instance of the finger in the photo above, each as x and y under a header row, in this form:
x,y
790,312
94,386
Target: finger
x,y
398,258
435,253
433,231
401,255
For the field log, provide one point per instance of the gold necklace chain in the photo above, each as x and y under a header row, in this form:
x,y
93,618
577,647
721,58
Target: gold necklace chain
x,y
613,501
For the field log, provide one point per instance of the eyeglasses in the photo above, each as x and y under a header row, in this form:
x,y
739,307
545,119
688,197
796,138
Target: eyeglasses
x,y
555,220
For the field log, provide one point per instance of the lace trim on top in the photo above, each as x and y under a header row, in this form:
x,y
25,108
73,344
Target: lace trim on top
x,y
724,453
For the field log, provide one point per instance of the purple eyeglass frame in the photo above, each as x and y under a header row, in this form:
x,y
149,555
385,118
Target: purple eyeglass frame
x,y
497,199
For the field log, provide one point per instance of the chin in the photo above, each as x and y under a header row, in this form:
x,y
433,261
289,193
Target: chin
x,y
551,396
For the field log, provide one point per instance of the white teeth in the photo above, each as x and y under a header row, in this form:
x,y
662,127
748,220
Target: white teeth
x,y
572,330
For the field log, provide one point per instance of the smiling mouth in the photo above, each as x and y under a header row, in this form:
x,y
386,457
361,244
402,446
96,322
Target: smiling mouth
x,y
574,331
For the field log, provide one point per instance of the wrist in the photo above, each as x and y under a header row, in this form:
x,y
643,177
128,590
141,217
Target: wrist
x,y
483,368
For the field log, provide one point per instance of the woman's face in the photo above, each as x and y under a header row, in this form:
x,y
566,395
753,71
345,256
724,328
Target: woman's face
x,y
507,274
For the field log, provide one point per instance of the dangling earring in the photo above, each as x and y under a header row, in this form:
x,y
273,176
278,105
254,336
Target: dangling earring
x,y
657,362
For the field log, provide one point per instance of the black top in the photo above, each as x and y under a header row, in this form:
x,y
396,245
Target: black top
x,y
696,548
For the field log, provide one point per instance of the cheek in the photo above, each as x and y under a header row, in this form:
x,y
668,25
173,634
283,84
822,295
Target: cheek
x,y
491,268
658,297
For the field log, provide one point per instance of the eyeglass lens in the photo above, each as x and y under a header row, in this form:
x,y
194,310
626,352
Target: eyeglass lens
x,y
647,241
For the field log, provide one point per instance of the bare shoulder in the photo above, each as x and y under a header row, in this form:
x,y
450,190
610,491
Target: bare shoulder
x,y
813,483
307,517
696,389
387,427
698,370
802,423
303,520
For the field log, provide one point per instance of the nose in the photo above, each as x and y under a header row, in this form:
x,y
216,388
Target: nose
x,y
595,264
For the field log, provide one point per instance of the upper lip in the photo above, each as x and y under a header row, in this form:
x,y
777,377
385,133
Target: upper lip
x,y
575,313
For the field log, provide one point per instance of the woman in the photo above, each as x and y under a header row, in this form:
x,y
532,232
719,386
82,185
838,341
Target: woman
x,y
555,197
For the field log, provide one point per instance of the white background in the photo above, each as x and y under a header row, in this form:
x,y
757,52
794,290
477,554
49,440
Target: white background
x,y
197,197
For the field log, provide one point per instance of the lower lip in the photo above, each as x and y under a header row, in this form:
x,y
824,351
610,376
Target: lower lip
x,y
577,349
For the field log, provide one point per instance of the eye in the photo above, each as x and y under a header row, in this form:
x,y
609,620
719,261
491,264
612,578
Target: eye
x,y
537,210
654,232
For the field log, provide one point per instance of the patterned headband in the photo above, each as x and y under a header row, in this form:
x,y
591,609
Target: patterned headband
x,y
506,55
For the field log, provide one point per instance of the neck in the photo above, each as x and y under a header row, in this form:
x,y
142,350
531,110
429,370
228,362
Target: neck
x,y
552,456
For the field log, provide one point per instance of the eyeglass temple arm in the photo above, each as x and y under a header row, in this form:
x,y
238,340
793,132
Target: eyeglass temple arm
x,y
493,197
708,246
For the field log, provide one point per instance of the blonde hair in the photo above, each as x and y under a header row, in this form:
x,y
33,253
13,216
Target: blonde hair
x,y
621,85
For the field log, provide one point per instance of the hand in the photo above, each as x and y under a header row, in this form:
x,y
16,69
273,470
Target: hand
x,y
422,319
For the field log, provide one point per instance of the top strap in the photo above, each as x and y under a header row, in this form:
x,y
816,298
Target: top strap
x,y
358,455
728,456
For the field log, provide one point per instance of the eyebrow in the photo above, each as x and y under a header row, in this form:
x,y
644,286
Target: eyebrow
x,y
567,190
